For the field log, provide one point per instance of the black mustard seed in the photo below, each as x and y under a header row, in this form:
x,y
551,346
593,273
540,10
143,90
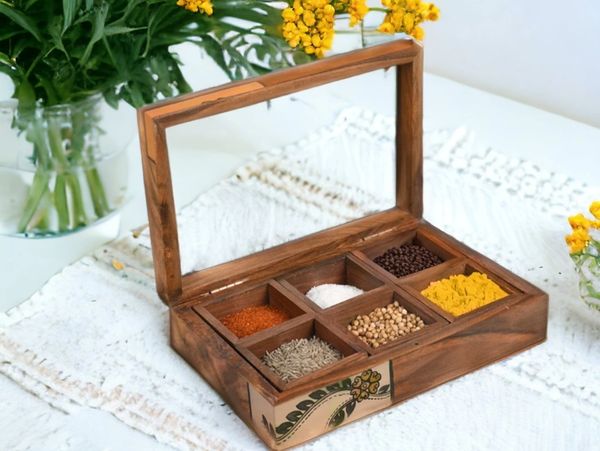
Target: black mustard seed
x,y
407,259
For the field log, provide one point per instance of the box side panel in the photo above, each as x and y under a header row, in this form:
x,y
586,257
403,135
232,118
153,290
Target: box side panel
x,y
513,330
319,411
223,368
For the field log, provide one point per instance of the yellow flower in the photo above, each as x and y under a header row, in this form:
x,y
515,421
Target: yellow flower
x,y
595,209
409,22
579,222
434,13
308,24
195,6
118,265
357,9
418,33
288,15
405,16
386,27
578,240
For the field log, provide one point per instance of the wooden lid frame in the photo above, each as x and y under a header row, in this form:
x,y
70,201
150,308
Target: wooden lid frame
x,y
153,120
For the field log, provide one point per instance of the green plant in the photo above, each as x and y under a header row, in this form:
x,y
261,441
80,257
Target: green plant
x,y
58,52
64,52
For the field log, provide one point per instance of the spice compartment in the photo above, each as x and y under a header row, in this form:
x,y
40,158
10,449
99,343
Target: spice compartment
x,y
343,315
270,294
438,248
416,284
343,270
254,350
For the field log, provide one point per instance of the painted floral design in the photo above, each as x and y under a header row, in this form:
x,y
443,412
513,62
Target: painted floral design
x,y
365,385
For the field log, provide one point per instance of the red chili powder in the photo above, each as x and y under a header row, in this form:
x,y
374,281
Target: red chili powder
x,y
253,319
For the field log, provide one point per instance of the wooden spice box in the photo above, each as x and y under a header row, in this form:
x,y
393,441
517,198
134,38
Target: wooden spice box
x,y
287,414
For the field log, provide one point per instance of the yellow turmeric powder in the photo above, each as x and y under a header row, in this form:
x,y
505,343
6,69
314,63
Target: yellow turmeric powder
x,y
460,294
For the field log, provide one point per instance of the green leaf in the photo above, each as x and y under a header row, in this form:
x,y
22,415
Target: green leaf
x,y
70,8
112,30
284,427
337,418
294,416
20,19
50,91
300,57
350,407
316,395
131,5
56,36
26,96
99,20
384,389
6,61
5,35
215,51
305,405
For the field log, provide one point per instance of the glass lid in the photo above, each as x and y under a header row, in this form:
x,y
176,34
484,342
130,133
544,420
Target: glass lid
x,y
254,165
266,174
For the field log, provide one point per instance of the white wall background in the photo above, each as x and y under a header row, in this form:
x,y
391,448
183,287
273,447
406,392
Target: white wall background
x,y
542,52
545,53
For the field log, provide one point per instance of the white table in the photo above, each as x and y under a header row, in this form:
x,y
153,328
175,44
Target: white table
x,y
518,130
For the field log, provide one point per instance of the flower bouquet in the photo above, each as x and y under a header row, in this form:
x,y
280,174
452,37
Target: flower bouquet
x,y
584,248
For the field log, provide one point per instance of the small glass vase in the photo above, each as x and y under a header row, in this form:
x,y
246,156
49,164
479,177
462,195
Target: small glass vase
x,y
60,169
587,264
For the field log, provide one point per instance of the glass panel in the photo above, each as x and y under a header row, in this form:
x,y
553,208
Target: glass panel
x,y
263,175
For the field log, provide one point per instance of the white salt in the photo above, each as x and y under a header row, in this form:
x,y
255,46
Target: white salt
x,y
330,294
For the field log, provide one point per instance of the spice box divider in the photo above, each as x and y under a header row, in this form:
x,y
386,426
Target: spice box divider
x,y
342,314
259,337
270,293
403,283
255,350
345,270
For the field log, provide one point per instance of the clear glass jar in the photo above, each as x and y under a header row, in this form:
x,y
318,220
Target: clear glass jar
x,y
62,167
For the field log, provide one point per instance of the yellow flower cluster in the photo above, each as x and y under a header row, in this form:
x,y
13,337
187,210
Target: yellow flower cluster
x,y
309,24
405,16
195,6
580,237
356,9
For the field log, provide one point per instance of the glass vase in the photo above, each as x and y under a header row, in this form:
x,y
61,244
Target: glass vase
x,y
60,168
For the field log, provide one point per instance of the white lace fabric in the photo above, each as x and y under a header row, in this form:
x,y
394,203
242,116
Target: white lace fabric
x,y
97,337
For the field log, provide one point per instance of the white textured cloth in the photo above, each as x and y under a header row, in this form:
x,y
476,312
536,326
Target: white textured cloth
x,y
97,337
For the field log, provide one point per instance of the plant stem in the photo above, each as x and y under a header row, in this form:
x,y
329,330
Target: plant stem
x,y
363,42
72,164
365,33
101,207
35,195
77,207
60,201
